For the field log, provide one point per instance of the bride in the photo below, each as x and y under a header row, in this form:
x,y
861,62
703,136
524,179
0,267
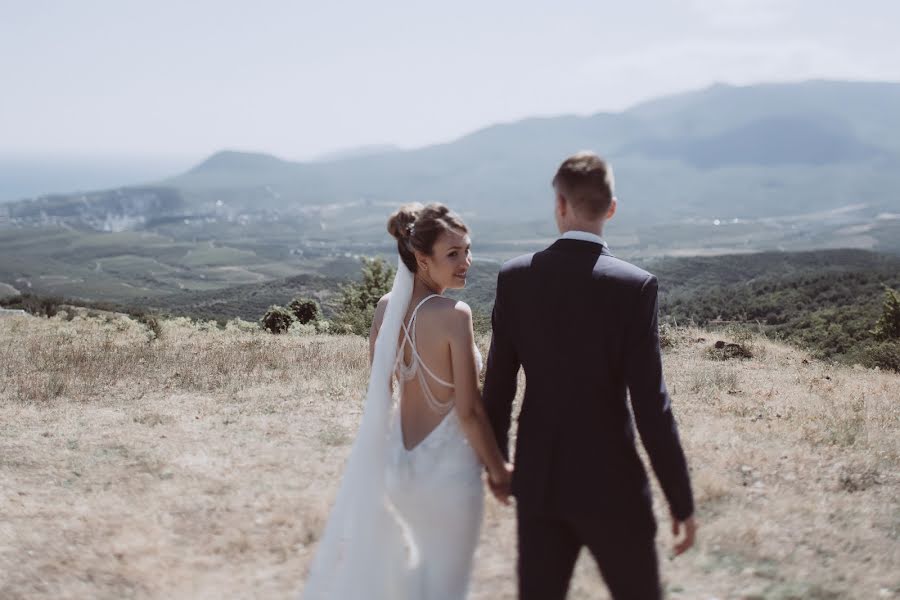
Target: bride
x,y
408,512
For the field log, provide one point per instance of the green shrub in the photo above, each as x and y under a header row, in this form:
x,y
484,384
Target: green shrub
x,y
39,306
305,310
884,355
359,298
238,324
888,325
277,319
153,327
666,336
302,329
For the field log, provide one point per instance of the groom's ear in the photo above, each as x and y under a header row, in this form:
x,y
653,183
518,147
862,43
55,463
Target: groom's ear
x,y
561,205
611,210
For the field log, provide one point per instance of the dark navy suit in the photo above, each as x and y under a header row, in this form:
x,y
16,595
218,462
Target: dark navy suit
x,y
583,326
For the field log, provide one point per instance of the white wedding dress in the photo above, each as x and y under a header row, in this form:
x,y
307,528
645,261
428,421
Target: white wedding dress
x,y
436,487
405,523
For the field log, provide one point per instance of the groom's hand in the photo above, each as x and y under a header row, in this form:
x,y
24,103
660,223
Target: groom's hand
x,y
501,484
689,526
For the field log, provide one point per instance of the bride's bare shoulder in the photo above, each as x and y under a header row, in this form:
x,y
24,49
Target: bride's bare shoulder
x,y
451,312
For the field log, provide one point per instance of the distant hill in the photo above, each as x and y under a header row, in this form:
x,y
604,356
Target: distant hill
x,y
769,142
870,110
785,166
359,152
796,146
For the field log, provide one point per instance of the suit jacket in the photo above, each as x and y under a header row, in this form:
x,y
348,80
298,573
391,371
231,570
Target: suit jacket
x,y
583,325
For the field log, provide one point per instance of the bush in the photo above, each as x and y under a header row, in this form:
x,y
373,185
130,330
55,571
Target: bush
x,y
238,324
305,310
302,329
888,326
359,298
38,306
277,319
152,324
666,336
884,355
356,320
148,320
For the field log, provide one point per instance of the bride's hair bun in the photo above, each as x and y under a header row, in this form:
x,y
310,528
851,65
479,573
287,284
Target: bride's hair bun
x,y
400,223
416,227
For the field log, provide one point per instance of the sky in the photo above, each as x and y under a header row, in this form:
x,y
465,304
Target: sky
x,y
299,79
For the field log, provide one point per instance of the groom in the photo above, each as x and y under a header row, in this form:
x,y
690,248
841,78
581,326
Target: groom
x,y
583,324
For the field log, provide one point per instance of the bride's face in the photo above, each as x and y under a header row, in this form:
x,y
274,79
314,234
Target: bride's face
x,y
450,260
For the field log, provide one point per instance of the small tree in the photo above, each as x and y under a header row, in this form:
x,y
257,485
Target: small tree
x,y
277,319
305,310
888,326
359,298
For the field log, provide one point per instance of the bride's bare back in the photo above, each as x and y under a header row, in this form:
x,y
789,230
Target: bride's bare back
x,y
427,392
425,399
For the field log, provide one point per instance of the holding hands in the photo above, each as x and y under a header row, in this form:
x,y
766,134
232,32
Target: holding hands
x,y
500,483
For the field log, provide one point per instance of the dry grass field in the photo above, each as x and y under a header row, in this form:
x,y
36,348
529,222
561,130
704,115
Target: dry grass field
x,y
201,465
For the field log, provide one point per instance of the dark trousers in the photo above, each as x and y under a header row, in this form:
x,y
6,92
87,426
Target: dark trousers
x,y
549,547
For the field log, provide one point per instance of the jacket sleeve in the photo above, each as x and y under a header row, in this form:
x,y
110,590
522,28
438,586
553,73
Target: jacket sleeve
x,y
502,373
652,405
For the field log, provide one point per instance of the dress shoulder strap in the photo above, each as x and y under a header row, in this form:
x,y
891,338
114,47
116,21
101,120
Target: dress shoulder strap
x,y
409,334
419,305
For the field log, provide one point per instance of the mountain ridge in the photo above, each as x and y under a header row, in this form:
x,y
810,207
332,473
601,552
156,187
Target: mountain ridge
x,y
650,107
723,152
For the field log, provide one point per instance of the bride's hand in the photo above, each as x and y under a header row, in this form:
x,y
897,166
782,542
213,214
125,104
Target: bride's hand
x,y
500,483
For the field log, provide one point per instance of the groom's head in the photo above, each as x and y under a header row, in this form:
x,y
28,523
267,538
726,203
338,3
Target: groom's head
x,y
584,192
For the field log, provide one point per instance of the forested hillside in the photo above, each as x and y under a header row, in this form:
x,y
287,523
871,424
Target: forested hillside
x,y
826,301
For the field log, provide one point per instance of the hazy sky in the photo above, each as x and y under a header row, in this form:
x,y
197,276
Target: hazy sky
x,y
297,79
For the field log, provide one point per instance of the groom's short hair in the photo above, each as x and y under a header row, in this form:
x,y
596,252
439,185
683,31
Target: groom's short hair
x,y
586,181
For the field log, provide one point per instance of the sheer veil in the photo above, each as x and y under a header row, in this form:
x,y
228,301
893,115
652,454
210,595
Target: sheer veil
x,y
363,544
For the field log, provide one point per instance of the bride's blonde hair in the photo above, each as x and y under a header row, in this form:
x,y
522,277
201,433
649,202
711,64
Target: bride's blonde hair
x,y
416,227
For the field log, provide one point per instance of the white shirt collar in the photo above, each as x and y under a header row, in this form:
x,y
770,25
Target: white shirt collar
x,y
584,236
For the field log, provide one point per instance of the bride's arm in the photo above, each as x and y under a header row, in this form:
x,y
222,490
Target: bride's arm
x,y
469,407
377,320
376,325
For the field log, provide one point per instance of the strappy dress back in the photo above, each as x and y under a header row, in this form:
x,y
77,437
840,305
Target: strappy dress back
x,y
435,486
417,367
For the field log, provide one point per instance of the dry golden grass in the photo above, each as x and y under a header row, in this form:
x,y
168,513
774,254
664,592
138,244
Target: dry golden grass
x,y
202,464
